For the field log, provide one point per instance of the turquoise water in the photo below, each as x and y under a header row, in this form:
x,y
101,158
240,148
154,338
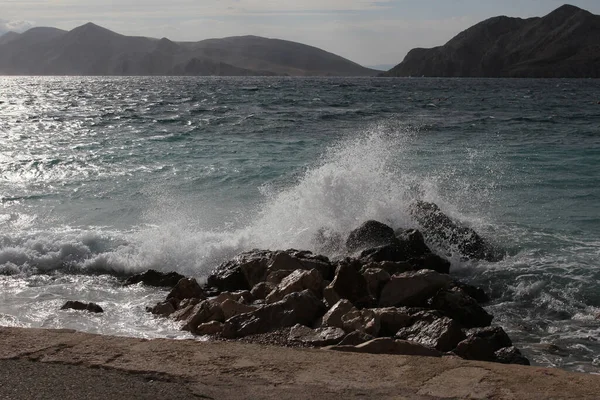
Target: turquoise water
x,y
107,176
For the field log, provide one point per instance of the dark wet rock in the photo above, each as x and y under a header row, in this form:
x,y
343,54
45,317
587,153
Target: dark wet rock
x,y
391,267
203,312
483,343
511,355
184,309
390,252
155,278
316,337
457,305
350,284
441,333
296,308
232,308
241,296
355,338
432,262
392,319
494,335
412,289
333,317
413,242
442,230
292,260
242,272
298,281
409,246
165,308
209,328
364,320
376,279
275,277
370,234
187,288
389,346
475,292
80,306
260,291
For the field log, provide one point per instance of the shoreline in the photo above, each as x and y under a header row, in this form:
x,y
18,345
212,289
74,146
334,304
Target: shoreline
x,y
234,370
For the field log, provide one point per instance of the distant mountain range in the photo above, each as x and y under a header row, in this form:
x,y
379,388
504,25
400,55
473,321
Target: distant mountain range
x,y
564,43
93,50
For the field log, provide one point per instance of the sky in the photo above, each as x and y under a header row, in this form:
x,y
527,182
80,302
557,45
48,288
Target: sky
x,y
368,32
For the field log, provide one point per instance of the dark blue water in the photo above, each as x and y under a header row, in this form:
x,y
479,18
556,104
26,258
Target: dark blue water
x,y
108,175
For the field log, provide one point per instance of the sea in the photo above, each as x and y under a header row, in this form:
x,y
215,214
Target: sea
x,y
103,177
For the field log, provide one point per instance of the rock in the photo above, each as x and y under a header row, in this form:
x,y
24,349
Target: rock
x,y
232,308
292,260
80,306
155,278
355,338
409,245
298,281
370,234
432,262
164,308
413,288
457,305
389,346
376,279
474,348
439,228
475,292
389,252
184,309
330,296
511,355
209,328
391,267
316,337
295,308
441,333
333,317
241,296
274,278
413,242
187,288
260,291
242,272
392,319
350,284
361,320
494,335
201,313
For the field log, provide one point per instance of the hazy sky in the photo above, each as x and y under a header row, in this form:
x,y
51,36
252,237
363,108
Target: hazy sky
x,y
368,32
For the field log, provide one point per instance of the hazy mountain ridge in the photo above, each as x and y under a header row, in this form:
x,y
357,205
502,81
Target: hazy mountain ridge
x,y
93,50
564,43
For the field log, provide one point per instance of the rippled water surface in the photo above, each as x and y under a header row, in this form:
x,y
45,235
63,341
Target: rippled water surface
x,y
101,177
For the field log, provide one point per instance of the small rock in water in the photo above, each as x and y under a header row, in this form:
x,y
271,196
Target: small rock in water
x,y
80,306
155,278
187,288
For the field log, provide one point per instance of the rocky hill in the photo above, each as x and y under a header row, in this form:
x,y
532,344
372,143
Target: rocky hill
x,y
564,43
93,50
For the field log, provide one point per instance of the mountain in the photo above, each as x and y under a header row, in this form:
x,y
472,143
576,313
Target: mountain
x,y
94,50
564,43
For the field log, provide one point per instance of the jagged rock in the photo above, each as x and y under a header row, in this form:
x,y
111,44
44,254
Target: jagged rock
x,y
483,343
439,228
187,288
201,313
333,317
297,281
242,272
388,252
370,234
260,291
441,333
184,309
292,260
209,328
295,308
391,267
409,245
232,308
432,262
392,319
242,296
511,355
80,306
165,308
413,242
361,320
494,335
330,296
274,278
350,284
355,338
463,308
475,292
155,278
413,288
376,279
316,337
389,346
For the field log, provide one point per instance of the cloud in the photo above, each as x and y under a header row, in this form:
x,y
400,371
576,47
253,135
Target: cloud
x,y
16,26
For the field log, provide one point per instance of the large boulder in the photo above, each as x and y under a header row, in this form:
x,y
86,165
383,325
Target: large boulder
x,y
164,308
350,284
434,331
241,296
412,289
364,320
376,279
187,288
370,234
298,281
242,272
155,278
316,337
295,308
333,317
392,319
292,260
203,312
389,346
355,338
209,328
184,309
446,233
408,244
483,343
80,306
458,305
232,308
511,355
260,291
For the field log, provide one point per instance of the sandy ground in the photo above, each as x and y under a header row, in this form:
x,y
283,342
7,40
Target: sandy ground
x,y
50,364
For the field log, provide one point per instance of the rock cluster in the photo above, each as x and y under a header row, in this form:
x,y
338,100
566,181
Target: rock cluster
x,y
396,298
